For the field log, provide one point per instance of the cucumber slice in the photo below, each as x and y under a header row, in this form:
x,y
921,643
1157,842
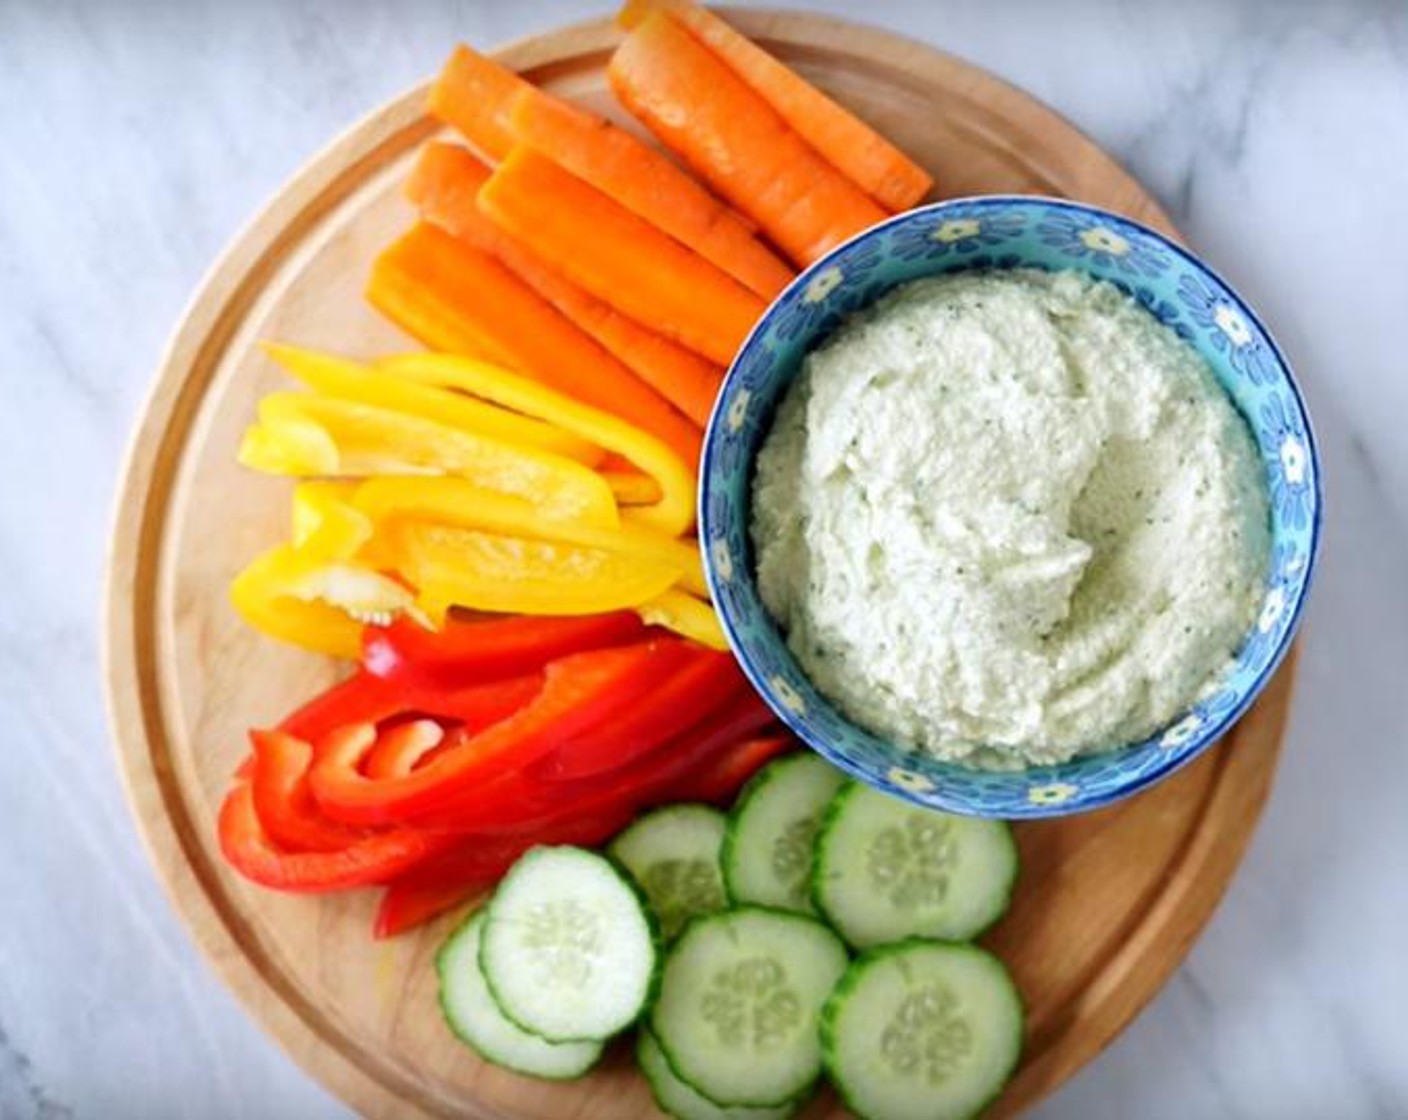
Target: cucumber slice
x,y
922,1030
568,948
680,1101
767,853
739,998
673,855
476,1020
886,870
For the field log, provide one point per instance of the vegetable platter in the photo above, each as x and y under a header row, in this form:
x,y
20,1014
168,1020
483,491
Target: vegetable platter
x,y
1106,904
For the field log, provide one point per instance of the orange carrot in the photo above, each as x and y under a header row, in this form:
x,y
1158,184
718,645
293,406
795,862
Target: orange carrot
x,y
852,146
619,257
445,181
470,95
443,186
492,107
425,314
436,287
699,108
646,183
688,381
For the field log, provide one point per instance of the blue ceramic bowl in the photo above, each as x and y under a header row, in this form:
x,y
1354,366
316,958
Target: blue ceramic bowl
x,y
988,233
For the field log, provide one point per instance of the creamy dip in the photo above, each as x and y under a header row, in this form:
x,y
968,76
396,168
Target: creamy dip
x,y
1009,517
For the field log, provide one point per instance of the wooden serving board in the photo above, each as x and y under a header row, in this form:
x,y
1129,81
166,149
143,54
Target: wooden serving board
x,y
1108,902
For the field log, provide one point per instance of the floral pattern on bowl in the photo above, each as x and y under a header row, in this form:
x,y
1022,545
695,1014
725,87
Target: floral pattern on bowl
x,y
1011,232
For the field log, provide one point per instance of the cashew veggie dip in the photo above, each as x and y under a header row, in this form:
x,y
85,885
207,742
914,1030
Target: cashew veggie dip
x,y
1008,518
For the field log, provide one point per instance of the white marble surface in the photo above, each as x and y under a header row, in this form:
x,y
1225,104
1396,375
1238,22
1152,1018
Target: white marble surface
x,y
136,138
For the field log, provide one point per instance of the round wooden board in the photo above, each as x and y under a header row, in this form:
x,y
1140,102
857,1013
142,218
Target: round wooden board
x,y
1108,902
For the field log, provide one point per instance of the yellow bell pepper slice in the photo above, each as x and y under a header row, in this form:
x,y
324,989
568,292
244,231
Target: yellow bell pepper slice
x,y
452,501
325,522
672,514
514,575
631,488
367,440
289,445
686,615
347,380
314,603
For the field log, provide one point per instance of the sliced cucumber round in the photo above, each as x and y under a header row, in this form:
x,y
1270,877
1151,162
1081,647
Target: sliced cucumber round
x,y
569,951
767,854
739,998
680,1101
476,1020
887,870
673,855
922,1030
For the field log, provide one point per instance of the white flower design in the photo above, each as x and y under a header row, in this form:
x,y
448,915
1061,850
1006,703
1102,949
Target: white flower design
x,y
823,284
788,696
1231,323
738,409
1293,460
723,560
957,229
908,780
1053,793
1181,731
1271,610
1099,239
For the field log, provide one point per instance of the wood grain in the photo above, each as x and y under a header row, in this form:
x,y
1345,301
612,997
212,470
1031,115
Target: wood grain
x,y
1108,902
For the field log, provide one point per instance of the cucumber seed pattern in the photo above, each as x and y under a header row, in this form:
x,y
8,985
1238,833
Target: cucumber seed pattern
x,y
927,1036
911,861
565,938
792,859
678,889
749,1004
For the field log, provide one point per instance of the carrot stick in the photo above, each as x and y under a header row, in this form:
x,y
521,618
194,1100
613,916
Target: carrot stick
x,y
492,107
646,183
852,146
700,109
470,95
443,186
425,314
688,381
436,287
619,257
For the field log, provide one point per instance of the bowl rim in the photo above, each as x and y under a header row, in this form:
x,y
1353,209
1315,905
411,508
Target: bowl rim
x,y
942,795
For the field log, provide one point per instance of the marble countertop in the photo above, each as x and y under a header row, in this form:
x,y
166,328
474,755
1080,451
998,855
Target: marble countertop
x,y
136,138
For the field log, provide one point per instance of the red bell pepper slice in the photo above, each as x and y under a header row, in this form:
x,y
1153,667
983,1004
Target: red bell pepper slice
x,y
678,702
283,800
404,906
495,649
399,749
582,695
437,887
664,774
395,755
361,697
364,698
401,745
474,865
530,794
724,777
522,801
378,858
